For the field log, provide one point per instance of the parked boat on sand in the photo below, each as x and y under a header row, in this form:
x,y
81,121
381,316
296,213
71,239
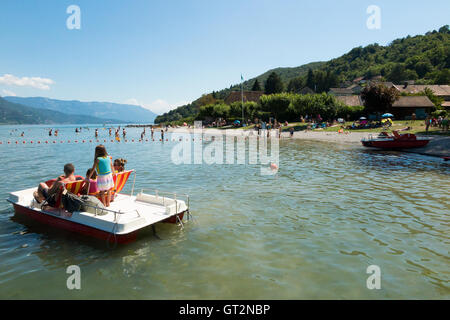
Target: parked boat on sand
x,y
394,141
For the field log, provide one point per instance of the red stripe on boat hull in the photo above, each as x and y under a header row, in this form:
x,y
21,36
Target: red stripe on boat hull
x,y
82,229
173,219
73,226
395,144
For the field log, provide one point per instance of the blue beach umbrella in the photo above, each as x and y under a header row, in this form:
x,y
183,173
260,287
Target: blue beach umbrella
x,y
387,115
237,121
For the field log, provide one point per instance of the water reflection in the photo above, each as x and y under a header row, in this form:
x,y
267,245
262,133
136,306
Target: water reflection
x,y
310,231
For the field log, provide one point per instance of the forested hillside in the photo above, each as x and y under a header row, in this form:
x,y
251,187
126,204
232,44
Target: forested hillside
x,y
423,58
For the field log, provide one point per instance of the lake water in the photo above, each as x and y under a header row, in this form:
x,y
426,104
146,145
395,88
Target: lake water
x,y
308,232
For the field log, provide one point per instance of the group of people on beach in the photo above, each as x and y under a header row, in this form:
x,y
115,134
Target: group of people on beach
x,y
440,122
99,178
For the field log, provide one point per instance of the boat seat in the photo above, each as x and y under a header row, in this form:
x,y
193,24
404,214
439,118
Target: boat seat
x,y
75,187
120,179
50,182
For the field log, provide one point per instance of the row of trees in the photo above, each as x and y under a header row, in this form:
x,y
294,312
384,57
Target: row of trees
x,y
290,106
283,106
319,81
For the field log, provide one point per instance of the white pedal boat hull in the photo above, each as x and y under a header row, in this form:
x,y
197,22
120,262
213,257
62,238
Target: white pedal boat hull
x,y
126,216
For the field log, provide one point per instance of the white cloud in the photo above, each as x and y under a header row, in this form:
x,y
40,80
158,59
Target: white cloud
x,y
158,106
8,93
132,101
34,82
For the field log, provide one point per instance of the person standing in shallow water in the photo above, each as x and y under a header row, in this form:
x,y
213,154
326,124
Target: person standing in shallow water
x,y
103,165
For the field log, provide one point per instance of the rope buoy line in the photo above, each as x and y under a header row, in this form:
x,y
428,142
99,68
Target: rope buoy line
x,y
40,142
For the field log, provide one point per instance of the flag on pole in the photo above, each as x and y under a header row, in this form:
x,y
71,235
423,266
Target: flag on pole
x,y
242,98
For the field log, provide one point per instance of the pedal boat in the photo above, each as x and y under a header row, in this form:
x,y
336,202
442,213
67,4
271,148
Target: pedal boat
x,y
394,141
119,223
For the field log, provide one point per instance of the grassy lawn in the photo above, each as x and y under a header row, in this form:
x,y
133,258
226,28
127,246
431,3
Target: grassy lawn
x,y
417,127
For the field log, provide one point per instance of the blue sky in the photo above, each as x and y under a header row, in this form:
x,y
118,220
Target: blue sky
x,y
161,54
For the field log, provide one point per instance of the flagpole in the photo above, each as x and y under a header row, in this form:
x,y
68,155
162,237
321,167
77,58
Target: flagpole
x,y
242,98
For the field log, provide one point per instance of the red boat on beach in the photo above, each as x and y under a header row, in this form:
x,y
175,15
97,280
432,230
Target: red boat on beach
x,y
394,141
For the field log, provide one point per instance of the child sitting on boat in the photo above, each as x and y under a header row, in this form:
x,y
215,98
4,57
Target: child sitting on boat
x,y
93,189
103,165
119,165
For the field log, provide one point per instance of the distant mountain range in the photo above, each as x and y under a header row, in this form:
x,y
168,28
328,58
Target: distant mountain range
x,y
14,113
105,111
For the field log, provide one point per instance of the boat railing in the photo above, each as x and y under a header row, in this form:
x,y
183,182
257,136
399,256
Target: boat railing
x,y
100,209
161,193
134,181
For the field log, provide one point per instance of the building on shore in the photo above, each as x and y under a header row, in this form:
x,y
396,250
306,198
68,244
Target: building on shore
x,y
341,91
405,106
441,91
352,101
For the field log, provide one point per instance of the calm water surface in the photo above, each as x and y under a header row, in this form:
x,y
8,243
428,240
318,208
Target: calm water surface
x,y
308,232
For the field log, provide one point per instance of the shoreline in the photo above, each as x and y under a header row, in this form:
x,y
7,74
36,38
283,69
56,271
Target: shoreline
x,y
439,146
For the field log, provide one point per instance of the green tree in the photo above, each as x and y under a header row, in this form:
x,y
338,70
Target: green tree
x,y
443,77
221,110
256,86
205,100
444,29
398,73
295,85
310,80
273,84
423,67
379,98
433,98
276,104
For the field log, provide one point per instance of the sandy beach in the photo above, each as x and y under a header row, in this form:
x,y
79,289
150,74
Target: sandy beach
x,y
439,146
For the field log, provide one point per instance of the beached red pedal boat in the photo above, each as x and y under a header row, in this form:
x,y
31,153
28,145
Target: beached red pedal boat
x,y
394,141
119,223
